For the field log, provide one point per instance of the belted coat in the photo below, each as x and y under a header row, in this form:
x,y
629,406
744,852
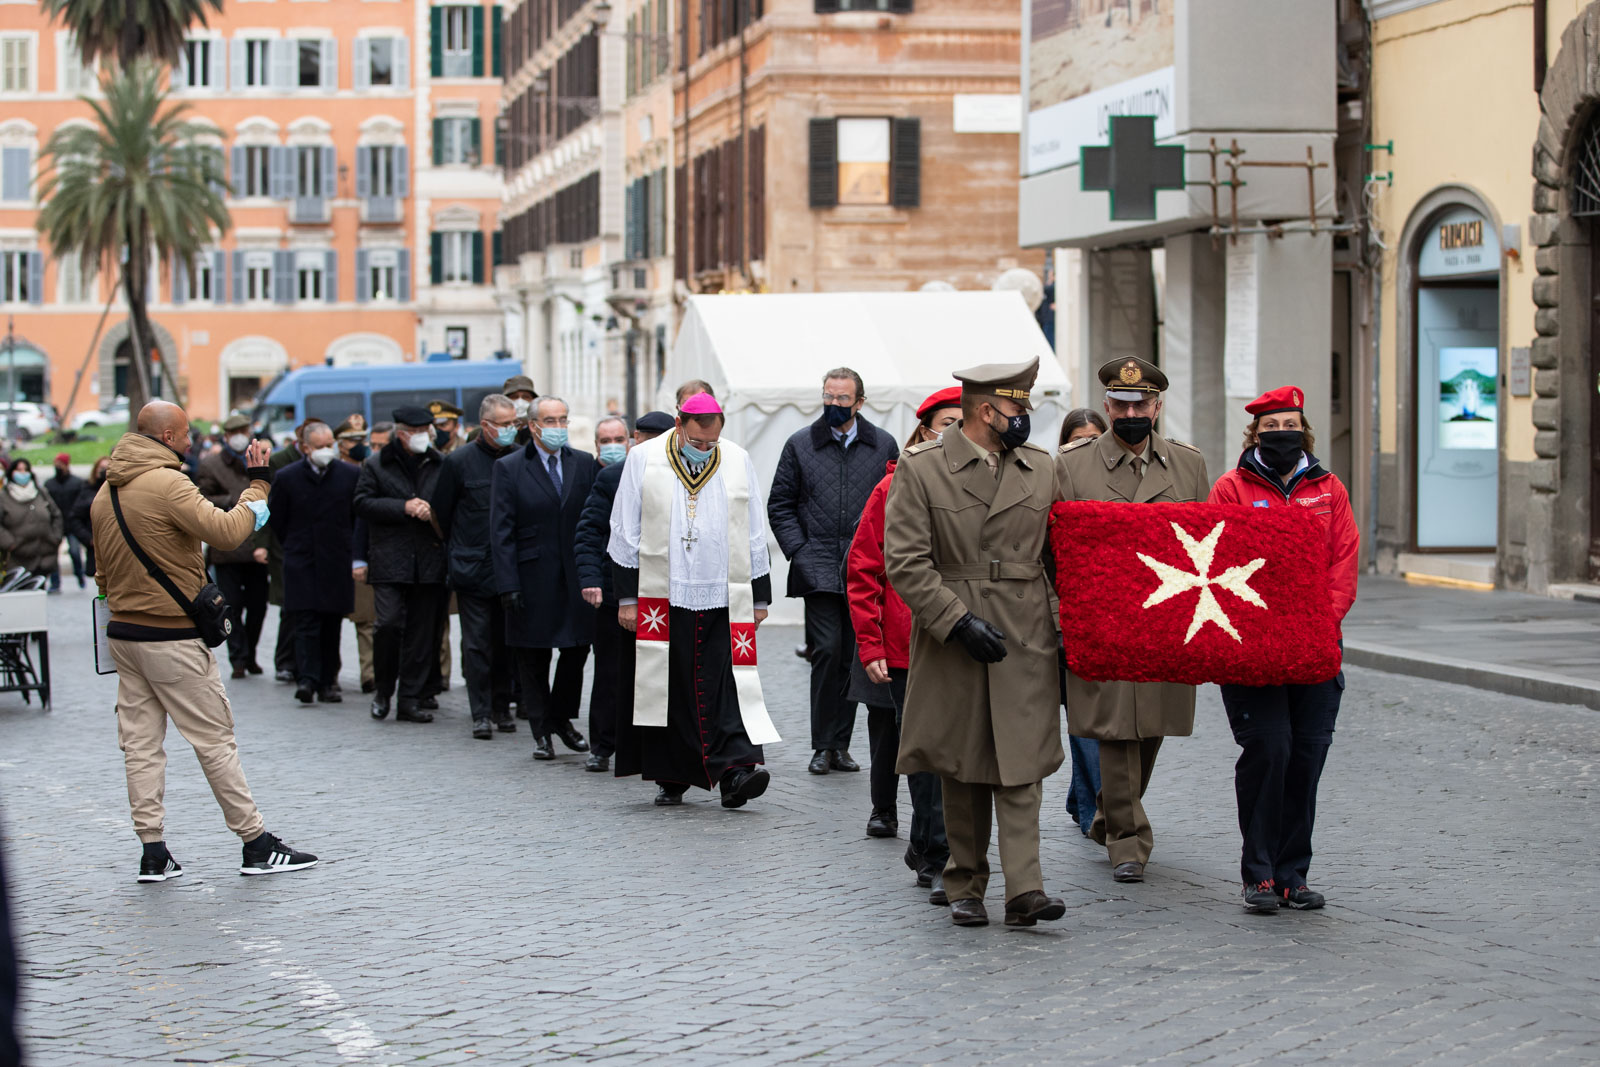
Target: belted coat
x,y
958,540
1101,470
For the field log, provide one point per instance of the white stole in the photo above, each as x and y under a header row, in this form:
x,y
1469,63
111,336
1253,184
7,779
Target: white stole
x,y
651,674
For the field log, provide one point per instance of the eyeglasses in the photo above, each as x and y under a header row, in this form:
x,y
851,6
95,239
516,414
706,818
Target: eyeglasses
x,y
842,399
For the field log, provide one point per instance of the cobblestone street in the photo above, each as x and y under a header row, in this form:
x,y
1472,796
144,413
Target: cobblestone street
x,y
473,906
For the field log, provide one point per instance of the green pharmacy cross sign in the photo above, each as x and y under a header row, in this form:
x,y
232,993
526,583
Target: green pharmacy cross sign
x,y
1132,167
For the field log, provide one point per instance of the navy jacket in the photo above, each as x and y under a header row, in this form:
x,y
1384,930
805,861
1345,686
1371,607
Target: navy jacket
x,y
817,496
313,516
533,533
461,506
594,533
399,548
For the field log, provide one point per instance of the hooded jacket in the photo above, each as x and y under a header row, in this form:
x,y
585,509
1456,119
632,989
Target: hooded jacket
x,y
171,519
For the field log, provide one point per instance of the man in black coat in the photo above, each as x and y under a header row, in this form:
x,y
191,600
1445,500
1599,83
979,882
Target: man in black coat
x,y
611,641
313,517
461,506
405,563
65,489
824,477
536,497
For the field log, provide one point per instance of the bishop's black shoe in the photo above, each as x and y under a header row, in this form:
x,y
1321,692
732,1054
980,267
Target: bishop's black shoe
x,y
743,784
1302,898
542,748
839,760
670,796
157,864
571,737
380,708
1259,899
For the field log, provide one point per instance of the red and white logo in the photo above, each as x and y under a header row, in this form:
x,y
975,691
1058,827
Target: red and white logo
x,y
744,644
652,618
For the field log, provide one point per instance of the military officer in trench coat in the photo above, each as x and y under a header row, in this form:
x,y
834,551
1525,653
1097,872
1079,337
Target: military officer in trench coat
x,y
1132,463
967,526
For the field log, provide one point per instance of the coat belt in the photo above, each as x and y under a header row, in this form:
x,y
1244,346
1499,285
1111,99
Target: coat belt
x,y
995,571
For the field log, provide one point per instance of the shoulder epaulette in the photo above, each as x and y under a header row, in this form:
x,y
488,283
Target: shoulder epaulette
x,y
1079,443
922,447
1183,444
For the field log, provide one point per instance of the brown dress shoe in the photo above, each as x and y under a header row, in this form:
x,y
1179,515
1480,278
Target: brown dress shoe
x,y
1128,872
967,912
1028,908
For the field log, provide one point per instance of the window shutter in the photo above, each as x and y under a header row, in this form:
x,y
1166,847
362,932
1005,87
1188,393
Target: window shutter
x,y
402,275
824,162
180,71
280,173
438,142
400,64
284,53
330,64
361,63
35,277
330,278
219,74
236,175
436,41
238,277
436,258
14,173
219,277
363,276
236,52
825,7
180,283
496,249
402,172
900,7
477,42
496,20
330,172
283,277
477,257
905,162
363,172
475,139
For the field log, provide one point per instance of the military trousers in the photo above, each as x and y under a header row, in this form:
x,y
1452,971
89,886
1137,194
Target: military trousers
x,y
969,810
1120,824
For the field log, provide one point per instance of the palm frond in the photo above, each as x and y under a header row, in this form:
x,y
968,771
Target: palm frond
x,y
127,30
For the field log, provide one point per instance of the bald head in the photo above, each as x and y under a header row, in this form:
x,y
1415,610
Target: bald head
x,y
167,423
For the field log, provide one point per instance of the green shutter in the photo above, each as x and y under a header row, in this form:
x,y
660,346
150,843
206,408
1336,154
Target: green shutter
x,y
475,145
477,257
496,249
436,40
494,39
436,258
477,42
438,142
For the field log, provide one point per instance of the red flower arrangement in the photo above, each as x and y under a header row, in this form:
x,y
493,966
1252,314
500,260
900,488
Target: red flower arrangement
x,y
1194,593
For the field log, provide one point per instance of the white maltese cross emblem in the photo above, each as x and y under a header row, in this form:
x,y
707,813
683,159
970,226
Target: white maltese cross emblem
x,y
655,620
1235,580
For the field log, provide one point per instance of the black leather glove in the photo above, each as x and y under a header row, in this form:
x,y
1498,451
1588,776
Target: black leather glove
x,y
983,642
512,602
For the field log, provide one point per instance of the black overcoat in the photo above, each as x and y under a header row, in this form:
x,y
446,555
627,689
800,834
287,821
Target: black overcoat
x,y
313,517
399,548
594,533
461,506
533,531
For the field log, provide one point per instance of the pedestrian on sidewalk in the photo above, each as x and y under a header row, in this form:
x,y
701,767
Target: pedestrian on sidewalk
x,y
355,446
1081,424
1284,731
882,625
66,489
30,523
164,669
242,573
79,519
825,474
292,451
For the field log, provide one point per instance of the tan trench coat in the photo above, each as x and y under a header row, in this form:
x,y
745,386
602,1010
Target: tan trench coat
x,y
1128,711
956,540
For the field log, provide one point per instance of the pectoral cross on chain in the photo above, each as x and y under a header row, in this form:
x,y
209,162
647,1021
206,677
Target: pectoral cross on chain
x,y
689,539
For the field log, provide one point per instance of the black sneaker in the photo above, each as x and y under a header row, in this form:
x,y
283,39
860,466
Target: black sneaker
x,y
267,855
1260,899
159,868
1301,898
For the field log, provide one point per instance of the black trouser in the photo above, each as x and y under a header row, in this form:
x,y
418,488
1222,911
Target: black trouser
x,y
927,795
832,641
316,647
405,639
1284,732
550,706
485,660
245,587
883,738
75,554
604,691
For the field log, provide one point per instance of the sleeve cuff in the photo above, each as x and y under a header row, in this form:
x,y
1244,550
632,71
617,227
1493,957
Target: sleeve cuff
x,y
761,589
625,581
259,474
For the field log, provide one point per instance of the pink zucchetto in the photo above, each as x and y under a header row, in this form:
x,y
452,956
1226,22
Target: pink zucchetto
x,y
701,404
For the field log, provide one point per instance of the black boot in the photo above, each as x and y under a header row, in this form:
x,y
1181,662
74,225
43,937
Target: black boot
x,y
542,749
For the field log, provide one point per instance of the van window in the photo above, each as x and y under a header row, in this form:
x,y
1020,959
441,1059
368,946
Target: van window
x,y
334,408
472,400
383,404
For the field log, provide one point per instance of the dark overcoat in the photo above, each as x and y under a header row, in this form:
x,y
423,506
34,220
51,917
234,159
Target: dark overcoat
x,y
461,506
313,517
594,534
400,548
533,535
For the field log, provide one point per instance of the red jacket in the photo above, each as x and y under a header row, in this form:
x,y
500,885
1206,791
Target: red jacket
x,y
881,619
1316,489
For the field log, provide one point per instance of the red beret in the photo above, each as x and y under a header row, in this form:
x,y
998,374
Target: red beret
x,y
62,457
1287,398
944,398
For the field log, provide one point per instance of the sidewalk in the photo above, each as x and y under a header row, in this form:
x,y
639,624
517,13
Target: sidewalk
x,y
1530,646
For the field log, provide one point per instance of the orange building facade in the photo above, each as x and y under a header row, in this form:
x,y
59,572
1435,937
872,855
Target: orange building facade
x,y
364,198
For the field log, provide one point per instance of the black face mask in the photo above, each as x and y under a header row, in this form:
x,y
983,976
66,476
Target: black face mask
x,y
837,416
1133,431
359,452
1281,449
1013,431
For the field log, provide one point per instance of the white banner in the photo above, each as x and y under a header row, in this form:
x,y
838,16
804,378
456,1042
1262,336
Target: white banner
x,y
1057,132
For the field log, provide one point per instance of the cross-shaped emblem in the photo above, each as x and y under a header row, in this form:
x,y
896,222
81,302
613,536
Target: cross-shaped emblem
x,y
689,539
1132,167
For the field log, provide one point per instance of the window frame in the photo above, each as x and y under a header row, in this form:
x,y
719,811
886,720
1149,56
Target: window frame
x,y
258,264
392,44
263,79
29,43
304,46
14,264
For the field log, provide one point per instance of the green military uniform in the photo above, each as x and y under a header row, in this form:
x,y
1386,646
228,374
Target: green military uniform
x,y
1129,719
966,531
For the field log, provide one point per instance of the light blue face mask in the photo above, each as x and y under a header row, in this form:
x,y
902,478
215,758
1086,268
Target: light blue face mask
x,y
613,453
694,456
260,508
22,477
554,437
505,436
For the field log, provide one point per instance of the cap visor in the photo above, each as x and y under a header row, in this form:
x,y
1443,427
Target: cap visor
x,y
1131,396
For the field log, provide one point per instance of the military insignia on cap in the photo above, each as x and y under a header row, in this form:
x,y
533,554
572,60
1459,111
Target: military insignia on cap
x,y
1131,374
1295,393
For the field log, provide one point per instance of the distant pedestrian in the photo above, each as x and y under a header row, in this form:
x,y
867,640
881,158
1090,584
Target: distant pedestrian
x,y
1284,731
520,391
447,432
242,573
365,615
164,669
824,476
66,489
79,522
1081,424
31,526
283,652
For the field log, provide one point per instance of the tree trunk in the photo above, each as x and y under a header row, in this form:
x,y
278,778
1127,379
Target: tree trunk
x,y
138,336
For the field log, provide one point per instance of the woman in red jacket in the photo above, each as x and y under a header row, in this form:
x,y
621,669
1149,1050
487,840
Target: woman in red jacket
x,y
1285,730
883,642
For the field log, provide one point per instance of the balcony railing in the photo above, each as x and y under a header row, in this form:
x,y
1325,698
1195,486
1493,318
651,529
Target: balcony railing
x,y
382,209
309,209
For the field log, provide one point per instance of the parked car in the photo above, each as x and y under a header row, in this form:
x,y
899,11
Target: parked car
x,y
116,412
26,420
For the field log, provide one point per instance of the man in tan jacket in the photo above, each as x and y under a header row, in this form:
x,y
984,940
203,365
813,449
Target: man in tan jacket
x,y
164,668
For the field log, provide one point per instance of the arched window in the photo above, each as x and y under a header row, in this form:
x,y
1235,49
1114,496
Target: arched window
x,y
1586,170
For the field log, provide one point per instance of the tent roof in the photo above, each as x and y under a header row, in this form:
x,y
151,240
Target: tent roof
x,y
765,350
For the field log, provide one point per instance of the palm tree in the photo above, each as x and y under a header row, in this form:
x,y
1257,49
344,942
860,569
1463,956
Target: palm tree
x,y
140,180
125,30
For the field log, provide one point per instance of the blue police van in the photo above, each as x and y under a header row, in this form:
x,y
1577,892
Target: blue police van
x,y
332,394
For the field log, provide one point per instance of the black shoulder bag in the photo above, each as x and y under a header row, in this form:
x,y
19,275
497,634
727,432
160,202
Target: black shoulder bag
x,y
208,610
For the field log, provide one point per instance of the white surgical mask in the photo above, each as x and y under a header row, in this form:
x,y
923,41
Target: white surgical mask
x,y
238,441
522,408
321,457
419,441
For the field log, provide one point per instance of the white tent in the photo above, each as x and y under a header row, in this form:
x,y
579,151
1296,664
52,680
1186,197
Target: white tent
x,y
765,355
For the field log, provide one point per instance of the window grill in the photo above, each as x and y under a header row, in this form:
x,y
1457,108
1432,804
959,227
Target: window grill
x,y
1586,173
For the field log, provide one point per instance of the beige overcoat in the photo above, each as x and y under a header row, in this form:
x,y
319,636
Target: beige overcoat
x,y
1100,470
956,540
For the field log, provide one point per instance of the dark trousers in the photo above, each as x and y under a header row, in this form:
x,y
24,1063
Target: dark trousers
x,y
316,647
245,587
927,795
75,554
551,705
604,692
1283,732
405,639
485,659
832,642
883,739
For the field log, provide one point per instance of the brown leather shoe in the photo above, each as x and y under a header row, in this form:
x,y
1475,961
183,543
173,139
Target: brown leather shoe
x,y
968,912
1128,872
1030,907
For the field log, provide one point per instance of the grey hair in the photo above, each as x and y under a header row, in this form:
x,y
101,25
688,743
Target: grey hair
x,y
494,400
610,418
306,430
548,399
846,374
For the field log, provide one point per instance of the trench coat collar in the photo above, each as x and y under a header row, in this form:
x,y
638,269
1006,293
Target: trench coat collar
x,y
1120,478
866,433
1000,493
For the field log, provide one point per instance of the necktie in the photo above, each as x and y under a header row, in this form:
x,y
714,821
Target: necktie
x,y
994,464
1138,466
555,473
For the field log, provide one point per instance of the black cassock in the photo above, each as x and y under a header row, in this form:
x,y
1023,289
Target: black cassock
x,y
704,736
